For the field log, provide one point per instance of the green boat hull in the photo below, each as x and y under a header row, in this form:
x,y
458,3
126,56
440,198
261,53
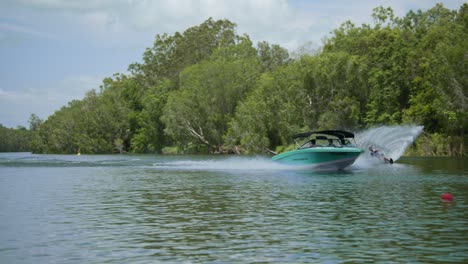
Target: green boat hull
x,y
333,158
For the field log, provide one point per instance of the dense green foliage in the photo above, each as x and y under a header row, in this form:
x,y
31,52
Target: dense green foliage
x,y
19,139
15,139
210,90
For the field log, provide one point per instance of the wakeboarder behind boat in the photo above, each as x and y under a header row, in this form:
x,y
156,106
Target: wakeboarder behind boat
x,y
376,153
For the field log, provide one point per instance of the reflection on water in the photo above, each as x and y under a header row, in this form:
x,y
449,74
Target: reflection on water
x,y
150,209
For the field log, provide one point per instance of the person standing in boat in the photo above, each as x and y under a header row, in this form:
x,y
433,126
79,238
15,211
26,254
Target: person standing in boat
x,y
312,143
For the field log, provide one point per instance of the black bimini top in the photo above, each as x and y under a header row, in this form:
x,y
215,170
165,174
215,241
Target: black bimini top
x,y
341,134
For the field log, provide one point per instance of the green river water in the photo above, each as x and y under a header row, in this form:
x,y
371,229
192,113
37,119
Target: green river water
x,y
226,209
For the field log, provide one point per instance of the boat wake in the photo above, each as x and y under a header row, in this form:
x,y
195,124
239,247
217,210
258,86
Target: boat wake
x,y
260,164
222,164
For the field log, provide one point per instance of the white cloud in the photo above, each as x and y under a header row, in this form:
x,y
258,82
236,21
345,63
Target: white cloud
x,y
279,21
14,28
289,23
78,6
17,106
166,16
76,86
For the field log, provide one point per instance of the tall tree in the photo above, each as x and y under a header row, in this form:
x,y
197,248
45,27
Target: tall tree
x,y
209,94
272,56
171,54
34,122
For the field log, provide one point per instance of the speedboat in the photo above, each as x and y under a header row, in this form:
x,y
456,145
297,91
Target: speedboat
x,y
322,150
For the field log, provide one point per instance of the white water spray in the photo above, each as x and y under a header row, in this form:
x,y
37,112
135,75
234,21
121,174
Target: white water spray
x,y
391,140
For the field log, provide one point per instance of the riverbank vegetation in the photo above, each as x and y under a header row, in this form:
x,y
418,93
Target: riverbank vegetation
x,y
209,89
19,139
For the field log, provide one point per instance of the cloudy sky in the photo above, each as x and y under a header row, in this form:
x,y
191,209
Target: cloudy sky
x,y
53,51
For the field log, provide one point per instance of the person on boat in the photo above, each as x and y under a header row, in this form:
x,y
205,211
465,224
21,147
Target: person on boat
x,y
312,143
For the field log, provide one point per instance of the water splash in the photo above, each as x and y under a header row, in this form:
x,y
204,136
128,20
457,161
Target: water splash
x,y
391,140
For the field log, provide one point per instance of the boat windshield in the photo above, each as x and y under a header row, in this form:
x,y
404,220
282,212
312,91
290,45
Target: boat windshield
x,y
325,138
323,141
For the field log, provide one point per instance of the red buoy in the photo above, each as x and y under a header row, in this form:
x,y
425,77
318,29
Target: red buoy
x,y
447,197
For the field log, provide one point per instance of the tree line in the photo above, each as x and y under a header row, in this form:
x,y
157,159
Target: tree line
x,y
210,90
19,139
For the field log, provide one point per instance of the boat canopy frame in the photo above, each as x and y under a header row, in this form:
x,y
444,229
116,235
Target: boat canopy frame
x,y
340,134
340,139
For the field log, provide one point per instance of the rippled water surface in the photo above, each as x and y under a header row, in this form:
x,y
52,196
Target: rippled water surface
x,y
193,209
